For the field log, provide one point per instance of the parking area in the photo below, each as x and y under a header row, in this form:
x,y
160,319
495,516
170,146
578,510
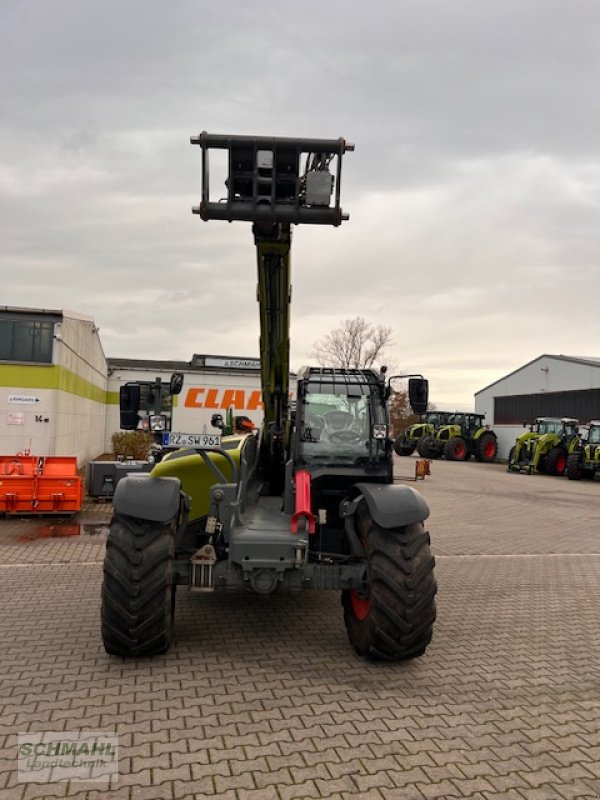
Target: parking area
x,y
263,698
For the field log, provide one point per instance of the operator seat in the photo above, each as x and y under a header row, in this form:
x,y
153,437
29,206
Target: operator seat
x,y
338,421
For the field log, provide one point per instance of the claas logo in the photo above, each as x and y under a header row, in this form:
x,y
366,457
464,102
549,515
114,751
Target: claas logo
x,y
240,399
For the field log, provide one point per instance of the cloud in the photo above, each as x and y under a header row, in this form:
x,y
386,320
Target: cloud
x,y
473,192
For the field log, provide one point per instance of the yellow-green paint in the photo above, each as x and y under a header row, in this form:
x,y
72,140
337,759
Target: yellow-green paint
x,y
54,376
195,475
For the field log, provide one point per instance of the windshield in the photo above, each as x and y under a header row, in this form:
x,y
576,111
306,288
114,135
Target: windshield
x,y
549,426
336,428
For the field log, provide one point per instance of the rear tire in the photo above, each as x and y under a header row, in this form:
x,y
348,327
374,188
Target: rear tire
x,y
486,448
403,449
394,622
555,461
138,591
574,468
456,449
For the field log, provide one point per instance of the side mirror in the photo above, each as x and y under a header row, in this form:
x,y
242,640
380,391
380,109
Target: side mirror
x,y
176,383
129,405
418,394
217,421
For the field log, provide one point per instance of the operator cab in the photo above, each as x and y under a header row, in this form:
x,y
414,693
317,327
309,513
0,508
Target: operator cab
x,y
342,420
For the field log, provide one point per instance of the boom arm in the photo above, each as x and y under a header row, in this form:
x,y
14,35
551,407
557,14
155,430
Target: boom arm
x,y
266,185
273,256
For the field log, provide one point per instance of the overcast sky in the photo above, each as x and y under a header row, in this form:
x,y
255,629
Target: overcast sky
x,y
473,193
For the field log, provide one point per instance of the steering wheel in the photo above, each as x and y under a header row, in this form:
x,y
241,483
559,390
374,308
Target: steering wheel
x,y
345,436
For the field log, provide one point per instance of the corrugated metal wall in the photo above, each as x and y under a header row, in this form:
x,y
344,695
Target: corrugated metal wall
x,y
583,404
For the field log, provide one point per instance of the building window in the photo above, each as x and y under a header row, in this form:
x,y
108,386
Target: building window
x,y
26,340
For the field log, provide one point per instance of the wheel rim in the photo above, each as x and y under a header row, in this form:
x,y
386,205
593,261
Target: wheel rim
x,y
489,449
561,463
360,605
459,450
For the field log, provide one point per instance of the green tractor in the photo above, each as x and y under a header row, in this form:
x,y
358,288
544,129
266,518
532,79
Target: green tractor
x,y
464,435
406,443
584,461
545,447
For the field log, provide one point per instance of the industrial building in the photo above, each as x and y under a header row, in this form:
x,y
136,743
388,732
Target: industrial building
x,y
548,386
53,377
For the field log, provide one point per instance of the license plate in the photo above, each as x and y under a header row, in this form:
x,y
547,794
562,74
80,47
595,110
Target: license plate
x,y
199,440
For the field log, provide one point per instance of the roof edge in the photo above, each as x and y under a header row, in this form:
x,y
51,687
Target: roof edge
x,y
588,362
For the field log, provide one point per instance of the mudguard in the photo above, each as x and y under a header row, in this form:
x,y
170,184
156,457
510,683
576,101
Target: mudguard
x,y
145,497
392,506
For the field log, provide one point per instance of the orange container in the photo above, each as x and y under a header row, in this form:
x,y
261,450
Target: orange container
x,y
18,465
46,485
17,478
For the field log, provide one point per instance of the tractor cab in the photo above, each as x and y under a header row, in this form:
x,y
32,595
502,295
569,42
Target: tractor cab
x,y
435,418
566,428
594,432
544,425
473,422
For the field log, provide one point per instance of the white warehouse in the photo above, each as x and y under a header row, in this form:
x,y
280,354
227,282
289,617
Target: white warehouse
x,y
548,386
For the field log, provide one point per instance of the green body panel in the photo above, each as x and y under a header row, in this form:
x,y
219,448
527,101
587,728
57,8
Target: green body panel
x,y
591,449
589,457
592,453
447,432
418,430
196,477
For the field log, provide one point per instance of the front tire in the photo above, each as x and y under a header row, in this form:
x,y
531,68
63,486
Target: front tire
x,y
555,462
511,458
486,448
401,448
574,468
394,621
138,591
427,448
456,449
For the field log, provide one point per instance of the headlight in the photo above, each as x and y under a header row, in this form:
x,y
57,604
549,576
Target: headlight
x,y
379,431
158,422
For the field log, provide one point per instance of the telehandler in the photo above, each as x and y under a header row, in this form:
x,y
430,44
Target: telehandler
x,y
307,502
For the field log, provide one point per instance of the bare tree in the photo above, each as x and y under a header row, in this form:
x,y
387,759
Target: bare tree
x,y
355,343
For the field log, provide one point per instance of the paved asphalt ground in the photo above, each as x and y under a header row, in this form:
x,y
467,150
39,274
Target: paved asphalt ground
x,y
263,698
